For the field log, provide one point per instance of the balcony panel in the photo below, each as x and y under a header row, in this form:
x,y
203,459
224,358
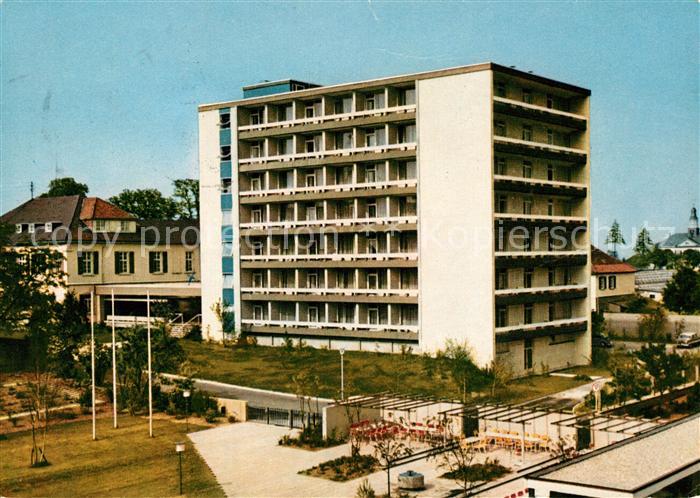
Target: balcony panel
x,y
530,111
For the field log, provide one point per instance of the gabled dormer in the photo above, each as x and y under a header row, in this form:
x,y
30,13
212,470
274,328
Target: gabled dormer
x,y
101,216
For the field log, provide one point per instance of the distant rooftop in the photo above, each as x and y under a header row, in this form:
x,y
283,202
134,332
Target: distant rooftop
x,y
605,263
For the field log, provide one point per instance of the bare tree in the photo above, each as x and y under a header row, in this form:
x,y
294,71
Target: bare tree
x,y
501,373
455,458
387,450
564,449
42,395
225,318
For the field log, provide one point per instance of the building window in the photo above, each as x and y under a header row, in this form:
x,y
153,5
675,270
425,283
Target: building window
x,y
527,133
257,248
256,183
88,263
527,356
257,279
527,96
602,283
407,134
343,140
124,226
527,205
310,111
500,129
256,117
158,262
18,228
285,146
255,150
369,103
551,312
407,170
499,165
371,174
527,278
312,280
48,227
100,225
313,314
550,101
407,96
551,276
527,169
501,279
550,172
501,203
550,207
550,136
30,228
501,89
501,316
612,282
373,316
189,261
257,215
310,179
371,210
123,262
257,312
373,280
225,152
225,120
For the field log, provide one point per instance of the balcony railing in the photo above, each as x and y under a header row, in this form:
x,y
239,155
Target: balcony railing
x,y
383,220
538,181
330,117
540,108
330,257
540,145
536,254
328,153
538,325
333,325
326,290
535,290
342,187
546,217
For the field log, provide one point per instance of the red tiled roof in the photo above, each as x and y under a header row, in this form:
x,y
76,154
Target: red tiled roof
x,y
604,263
96,208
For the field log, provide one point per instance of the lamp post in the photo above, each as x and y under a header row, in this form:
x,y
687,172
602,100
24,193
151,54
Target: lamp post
x,y
180,449
342,374
186,394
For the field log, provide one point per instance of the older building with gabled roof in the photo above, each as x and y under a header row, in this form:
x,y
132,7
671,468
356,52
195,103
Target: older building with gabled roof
x,y
109,250
690,240
611,280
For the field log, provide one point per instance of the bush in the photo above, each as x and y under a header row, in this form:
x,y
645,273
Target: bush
x,y
65,415
344,468
478,472
194,334
310,437
211,415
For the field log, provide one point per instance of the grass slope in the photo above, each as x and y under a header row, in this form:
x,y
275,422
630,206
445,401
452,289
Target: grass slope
x,y
122,462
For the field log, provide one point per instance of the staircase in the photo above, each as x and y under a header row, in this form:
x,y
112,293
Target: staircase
x,y
180,328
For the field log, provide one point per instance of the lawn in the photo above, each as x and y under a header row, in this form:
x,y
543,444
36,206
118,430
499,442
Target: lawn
x,y
122,462
365,372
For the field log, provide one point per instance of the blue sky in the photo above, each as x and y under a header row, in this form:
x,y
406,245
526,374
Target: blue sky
x,y
107,92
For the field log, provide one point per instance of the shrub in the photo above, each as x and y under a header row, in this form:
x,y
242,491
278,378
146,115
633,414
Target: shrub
x,y
478,472
211,415
365,490
65,415
194,334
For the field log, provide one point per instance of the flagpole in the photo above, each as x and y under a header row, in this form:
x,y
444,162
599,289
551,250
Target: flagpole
x,y
114,366
92,359
150,382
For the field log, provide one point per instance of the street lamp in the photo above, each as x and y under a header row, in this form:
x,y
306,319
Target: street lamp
x,y
186,394
342,374
180,449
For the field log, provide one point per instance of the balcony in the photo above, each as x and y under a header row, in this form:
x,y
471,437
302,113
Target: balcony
x,y
331,117
540,113
539,186
320,154
541,294
332,325
343,187
538,149
385,220
530,330
331,257
344,291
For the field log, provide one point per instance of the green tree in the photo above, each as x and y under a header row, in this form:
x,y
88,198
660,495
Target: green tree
x,y
643,244
629,380
387,450
28,278
615,237
146,204
456,359
65,186
225,317
71,332
186,196
166,356
691,258
666,370
651,325
682,293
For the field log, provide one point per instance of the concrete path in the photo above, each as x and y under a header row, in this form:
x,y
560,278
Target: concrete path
x,y
247,461
255,397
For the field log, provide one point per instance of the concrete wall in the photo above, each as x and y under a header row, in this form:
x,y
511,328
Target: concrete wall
x,y
337,423
210,216
547,355
627,324
237,408
455,203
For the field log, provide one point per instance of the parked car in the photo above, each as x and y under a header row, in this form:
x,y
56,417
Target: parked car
x,y
600,341
688,339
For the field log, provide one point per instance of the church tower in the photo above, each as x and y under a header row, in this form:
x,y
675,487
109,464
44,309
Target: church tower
x,y
693,228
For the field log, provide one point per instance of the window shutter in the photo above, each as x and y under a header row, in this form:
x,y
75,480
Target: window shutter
x,y
116,262
151,262
165,262
131,262
81,263
96,263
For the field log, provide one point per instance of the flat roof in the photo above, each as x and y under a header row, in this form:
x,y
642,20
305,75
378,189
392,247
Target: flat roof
x,y
634,463
487,66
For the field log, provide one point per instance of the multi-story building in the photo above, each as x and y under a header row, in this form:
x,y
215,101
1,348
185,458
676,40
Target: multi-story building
x,y
408,210
107,250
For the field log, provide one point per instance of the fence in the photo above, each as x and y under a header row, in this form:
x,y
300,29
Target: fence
x,y
282,417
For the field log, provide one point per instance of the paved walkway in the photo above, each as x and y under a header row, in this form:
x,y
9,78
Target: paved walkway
x,y
247,461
